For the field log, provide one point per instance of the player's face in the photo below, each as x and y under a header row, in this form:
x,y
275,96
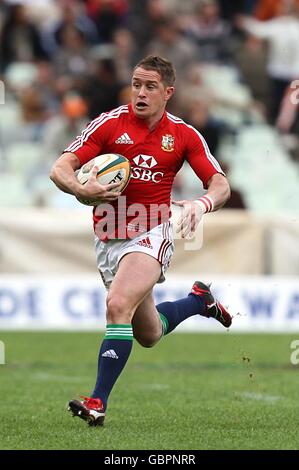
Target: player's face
x,y
149,94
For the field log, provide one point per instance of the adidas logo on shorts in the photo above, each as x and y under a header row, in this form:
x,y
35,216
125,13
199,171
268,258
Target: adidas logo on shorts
x,y
145,242
110,353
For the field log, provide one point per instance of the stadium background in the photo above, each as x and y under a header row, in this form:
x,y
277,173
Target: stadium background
x,y
64,62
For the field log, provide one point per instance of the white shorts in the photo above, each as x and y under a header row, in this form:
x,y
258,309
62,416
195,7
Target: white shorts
x,y
157,243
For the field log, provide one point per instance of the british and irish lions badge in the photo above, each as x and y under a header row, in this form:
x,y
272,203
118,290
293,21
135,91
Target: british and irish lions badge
x,y
167,143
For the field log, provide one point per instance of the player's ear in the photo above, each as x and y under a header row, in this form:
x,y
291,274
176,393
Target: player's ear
x,y
169,92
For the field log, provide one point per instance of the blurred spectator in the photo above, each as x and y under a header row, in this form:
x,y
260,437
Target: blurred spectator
x,y
282,34
28,123
229,9
236,200
108,15
3,12
72,57
42,13
268,9
73,14
198,115
125,54
60,130
143,15
194,89
250,51
169,43
18,76
33,108
210,32
124,96
19,39
46,84
101,89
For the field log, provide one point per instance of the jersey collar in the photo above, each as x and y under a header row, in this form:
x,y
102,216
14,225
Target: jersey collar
x,y
141,122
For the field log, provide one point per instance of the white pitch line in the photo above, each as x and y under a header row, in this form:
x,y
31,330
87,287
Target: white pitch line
x,y
45,377
260,396
156,386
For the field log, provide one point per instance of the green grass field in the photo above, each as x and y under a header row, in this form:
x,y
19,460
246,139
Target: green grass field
x,y
191,392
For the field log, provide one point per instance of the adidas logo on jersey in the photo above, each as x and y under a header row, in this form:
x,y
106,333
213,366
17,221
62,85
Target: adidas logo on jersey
x,y
110,353
145,242
124,139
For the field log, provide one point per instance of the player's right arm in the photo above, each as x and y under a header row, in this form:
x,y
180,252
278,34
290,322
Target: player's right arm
x,y
63,175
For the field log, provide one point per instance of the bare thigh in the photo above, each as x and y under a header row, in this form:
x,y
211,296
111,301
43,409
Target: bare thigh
x,y
134,281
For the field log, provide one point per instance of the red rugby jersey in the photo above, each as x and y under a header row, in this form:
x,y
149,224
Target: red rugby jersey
x,y
155,156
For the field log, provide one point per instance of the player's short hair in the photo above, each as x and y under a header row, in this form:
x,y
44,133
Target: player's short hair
x,y
163,66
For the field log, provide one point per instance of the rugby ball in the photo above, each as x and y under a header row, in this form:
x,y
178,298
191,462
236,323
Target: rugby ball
x,y
112,168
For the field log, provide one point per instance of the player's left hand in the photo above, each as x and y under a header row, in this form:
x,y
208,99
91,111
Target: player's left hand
x,y
191,216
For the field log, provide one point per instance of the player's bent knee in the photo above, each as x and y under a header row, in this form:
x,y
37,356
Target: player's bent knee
x,y
147,341
118,310
146,344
